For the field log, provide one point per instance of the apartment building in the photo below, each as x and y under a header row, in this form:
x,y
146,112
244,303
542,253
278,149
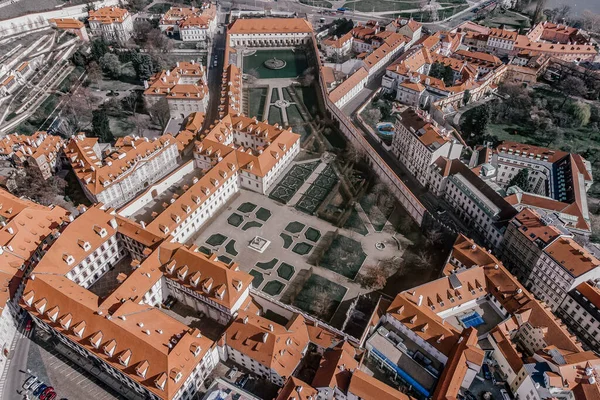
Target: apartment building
x,y
472,199
556,263
231,91
338,47
336,368
71,25
26,228
435,318
151,353
475,73
40,150
407,27
271,351
558,181
269,32
501,41
111,23
580,311
350,87
190,23
184,87
262,151
418,142
115,178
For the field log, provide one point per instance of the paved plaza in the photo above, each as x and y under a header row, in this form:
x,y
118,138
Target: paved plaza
x,y
293,236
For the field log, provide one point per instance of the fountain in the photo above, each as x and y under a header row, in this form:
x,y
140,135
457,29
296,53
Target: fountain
x,y
259,244
275,63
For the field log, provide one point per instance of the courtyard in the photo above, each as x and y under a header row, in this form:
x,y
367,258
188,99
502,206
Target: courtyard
x,y
285,270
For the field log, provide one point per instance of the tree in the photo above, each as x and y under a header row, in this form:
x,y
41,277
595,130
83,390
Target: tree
x,y
308,77
98,49
144,67
101,127
581,113
159,41
590,21
521,179
30,183
94,73
76,112
159,112
110,63
136,5
441,71
475,122
374,115
467,97
142,29
373,277
572,86
131,101
538,14
79,58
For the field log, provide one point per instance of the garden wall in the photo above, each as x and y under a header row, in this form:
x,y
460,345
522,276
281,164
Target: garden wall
x,y
408,200
269,303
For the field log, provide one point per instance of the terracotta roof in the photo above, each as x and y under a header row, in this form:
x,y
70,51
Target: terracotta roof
x,y
367,387
269,25
590,292
97,174
455,370
337,42
78,240
571,256
66,23
335,368
524,43
108,15
275,346
532,227
140,341
296,389
503,34
343,88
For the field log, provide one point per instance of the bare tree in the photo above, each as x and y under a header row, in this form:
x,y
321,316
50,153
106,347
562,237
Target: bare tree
x,y
132,100
590,21
373,277
159,112
374,115
30,183
434,236
76,114
94,73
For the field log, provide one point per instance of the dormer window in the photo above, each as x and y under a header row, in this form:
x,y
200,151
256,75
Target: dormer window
x,y
176,374
195,349
125,357
85,245
96,339
68,259
160,381
207,285
110,347
142,368
100,231
182,272
171,266
40,305
79,329
53,314
65,321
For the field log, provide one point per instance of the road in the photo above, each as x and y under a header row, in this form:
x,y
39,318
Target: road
x,y
18,363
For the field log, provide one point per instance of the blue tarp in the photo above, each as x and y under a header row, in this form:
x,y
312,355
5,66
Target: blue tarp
x,y
472,320
407,378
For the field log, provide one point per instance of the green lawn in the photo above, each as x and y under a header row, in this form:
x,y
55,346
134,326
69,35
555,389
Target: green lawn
x,y
230,248
258,278
268,264
312,234
273,288
216,240
302,248
287,240
317,3
320,297
251,224
295,227
345,256
235,219
355,223
263,214
285,271
247,207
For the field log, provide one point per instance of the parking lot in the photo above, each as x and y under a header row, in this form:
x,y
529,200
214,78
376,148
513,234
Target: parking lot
x,y
68,380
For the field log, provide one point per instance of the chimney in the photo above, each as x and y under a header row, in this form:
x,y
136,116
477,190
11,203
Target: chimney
x,y
143,224
420,300
113,223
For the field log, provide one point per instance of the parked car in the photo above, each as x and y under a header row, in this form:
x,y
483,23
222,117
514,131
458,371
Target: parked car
x,y
242,380
28,326
486,372
51,396
46,392
504,394
29,382
39,389
232,372
35,385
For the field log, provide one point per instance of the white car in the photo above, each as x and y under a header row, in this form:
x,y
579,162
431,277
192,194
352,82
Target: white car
x,y
29,382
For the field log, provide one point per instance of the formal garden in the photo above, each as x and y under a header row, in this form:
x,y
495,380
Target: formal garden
x,y
318,191
292,181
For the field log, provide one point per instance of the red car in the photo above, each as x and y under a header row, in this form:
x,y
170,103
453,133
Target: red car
x,y
28,326
46,393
